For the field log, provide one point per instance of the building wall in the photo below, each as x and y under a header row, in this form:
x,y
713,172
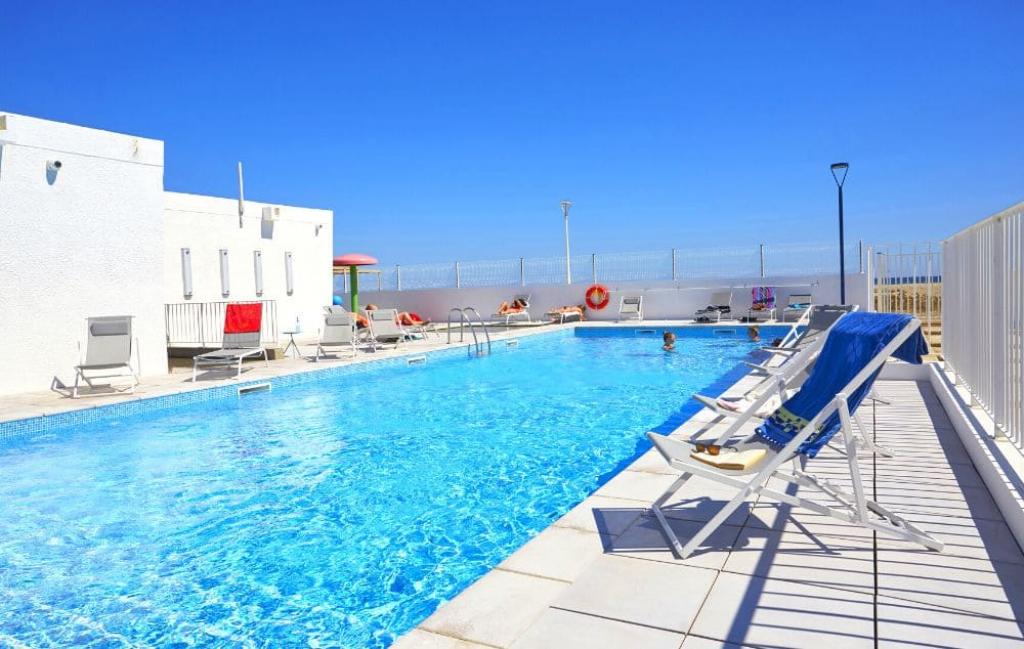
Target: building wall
x,y
662,300
84,241
206,224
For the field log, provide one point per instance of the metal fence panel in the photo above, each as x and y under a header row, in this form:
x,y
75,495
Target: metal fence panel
x,y
202,323
771,260
983,291
908,279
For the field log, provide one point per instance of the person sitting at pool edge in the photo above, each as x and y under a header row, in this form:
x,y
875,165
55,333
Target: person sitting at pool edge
x,y
669,339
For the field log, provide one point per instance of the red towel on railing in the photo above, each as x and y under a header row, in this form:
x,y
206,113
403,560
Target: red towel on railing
x,y
243,318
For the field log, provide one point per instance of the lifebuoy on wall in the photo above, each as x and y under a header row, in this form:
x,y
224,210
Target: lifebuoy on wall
x,y
598,296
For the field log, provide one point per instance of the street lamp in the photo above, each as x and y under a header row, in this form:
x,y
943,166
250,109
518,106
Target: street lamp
x,y
568,267
841,168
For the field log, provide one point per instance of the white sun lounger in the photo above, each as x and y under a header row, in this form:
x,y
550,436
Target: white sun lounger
x,y
748,465
239,343
384,327
339,331
524,314
631,307
797,307
721,305
108,352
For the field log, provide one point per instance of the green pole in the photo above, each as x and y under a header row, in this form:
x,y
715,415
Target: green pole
x,y
353,283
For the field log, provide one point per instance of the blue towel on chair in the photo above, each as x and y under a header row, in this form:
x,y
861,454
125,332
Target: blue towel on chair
x,y
850,346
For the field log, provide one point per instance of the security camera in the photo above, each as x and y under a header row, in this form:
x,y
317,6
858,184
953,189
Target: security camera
x,y
53,165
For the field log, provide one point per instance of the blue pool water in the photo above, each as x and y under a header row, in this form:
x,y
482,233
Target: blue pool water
x,y
339,512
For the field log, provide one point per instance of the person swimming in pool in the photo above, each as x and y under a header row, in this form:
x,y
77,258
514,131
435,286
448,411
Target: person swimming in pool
x,y
753,334
669,339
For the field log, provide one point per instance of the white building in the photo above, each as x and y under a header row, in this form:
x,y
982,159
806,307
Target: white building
x,y
86,229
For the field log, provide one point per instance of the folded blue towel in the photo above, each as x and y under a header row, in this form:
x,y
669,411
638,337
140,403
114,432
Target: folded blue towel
x,y
852,343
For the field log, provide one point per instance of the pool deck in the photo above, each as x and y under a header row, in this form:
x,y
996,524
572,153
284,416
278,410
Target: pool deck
x,y
40,403
775,576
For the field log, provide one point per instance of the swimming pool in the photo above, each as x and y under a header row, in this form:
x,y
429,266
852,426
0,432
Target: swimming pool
x,y
332,512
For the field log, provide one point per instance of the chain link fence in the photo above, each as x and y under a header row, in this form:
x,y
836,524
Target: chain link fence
x,y
764,260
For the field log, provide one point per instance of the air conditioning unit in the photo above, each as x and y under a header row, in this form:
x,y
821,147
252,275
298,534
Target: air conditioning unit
x,y
271,213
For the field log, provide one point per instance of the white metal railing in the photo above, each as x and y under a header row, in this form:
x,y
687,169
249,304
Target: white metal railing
x,y
907,278
983,324
764,260
201,324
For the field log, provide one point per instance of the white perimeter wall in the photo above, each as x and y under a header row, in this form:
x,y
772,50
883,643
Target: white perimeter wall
x,y
662,300
206,224
86,241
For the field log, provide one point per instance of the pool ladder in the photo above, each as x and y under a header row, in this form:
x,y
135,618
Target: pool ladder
x,y
466,315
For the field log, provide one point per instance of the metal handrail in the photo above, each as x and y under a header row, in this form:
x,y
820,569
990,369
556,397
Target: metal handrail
x,y
464,319
473,311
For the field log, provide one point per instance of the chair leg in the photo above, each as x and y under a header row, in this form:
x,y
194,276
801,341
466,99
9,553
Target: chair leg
x,y
195,370
716,521
74,389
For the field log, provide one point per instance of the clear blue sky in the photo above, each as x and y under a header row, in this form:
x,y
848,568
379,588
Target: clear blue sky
x,y
443,130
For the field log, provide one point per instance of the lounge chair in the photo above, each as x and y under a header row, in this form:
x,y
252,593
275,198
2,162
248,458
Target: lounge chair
x,y
801,350
631,307
108,352
819,320
797,307
563,313
762,304
852,356
721,305
242,324
339,331
384,327
514,310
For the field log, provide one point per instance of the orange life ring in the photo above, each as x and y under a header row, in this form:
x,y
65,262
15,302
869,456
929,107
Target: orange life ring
x,y
598,297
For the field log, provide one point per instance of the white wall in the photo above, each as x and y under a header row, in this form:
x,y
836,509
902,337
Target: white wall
x,y
206,224
662,300
85,241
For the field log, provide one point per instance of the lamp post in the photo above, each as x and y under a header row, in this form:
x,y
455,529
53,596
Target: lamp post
x,y
839,170
568,267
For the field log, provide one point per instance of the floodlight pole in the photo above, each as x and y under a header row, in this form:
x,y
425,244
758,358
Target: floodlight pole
x,y
841,167
568,266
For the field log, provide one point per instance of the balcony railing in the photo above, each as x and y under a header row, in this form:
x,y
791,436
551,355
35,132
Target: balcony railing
x,y
201,324
983,336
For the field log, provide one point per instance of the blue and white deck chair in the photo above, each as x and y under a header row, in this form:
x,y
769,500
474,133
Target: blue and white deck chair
x,y
852,357
800,348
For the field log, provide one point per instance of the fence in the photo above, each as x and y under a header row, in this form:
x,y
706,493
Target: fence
x,y
202,323
984,325
763,260
908,279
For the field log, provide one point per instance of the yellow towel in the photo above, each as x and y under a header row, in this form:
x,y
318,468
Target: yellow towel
x,y
730,461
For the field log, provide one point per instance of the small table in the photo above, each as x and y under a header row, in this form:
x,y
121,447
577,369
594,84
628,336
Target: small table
x,y
291,342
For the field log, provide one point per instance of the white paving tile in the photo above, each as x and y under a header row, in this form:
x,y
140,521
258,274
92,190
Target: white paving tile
x,y
420,639
650,593
783,614
570,630
636,485
495,610
603,515
913,625
844,561
645,539
558,553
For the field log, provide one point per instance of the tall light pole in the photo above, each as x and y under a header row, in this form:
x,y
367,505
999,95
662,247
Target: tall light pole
x,y
839,170
568,266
